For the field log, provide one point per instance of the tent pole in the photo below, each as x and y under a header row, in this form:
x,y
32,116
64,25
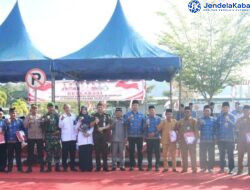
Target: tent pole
x,y
171,98
78,96
180,87
53,88
53,83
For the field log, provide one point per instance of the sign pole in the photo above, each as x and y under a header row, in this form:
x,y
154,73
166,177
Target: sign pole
x,y
36,96
53,98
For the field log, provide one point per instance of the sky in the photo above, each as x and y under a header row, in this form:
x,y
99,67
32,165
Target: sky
x,y
60,27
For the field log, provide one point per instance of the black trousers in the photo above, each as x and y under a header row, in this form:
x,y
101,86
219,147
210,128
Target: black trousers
x,y
101,149
226,147
3,156
11,149
153,146
40,148
207,155
68,148
85,157
138,141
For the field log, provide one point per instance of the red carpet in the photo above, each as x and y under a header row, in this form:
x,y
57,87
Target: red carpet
x,y
121,180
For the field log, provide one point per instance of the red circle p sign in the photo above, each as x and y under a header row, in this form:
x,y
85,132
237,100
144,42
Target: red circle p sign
x,y
35,78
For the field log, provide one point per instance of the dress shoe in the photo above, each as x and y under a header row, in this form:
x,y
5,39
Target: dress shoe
x,y
149,169
73,169
106,169
29,170
141,169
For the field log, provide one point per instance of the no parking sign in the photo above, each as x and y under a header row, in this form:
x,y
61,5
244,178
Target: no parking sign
x,y
35,78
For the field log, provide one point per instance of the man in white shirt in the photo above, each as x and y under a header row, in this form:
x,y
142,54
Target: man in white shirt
x,y
68,135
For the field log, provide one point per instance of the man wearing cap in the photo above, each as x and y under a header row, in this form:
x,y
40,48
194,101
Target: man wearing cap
x,y
52,137
167,128
12,126
35,137
225,132
67,125
101,136
188,136
119,137
135,124
243,129
207,127
3,152
152,137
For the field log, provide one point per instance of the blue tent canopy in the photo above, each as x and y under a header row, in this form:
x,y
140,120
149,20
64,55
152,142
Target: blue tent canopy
x,y
118,52
17,53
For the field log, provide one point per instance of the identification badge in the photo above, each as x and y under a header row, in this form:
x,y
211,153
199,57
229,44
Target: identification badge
x,y
189,137
20,136
2,140
173,136
248,138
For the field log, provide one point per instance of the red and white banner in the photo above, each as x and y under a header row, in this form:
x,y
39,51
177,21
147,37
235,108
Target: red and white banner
x,y
66,91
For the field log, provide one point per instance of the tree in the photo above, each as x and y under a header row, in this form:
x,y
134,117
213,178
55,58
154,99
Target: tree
x,y
212,47
14,91
3,98
21,107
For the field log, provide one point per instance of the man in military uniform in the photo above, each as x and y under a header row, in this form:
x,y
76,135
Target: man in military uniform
x,y
188,135
101,136
52,137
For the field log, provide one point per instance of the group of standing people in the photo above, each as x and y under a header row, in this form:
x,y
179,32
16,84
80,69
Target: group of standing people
x,y
58,136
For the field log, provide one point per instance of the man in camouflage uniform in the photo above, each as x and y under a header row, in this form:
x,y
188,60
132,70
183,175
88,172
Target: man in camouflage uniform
x,y
52,137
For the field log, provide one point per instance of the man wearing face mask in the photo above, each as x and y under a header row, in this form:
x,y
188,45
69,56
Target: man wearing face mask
x,y
225,131
68,136
101,136
243,128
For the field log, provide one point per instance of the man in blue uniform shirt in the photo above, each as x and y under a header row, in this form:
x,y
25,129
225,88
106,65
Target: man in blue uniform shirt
x,y
12,126
135,123
152,136
207,125
225,129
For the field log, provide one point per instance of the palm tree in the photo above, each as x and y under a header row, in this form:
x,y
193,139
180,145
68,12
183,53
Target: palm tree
x,y
21,107
3,98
